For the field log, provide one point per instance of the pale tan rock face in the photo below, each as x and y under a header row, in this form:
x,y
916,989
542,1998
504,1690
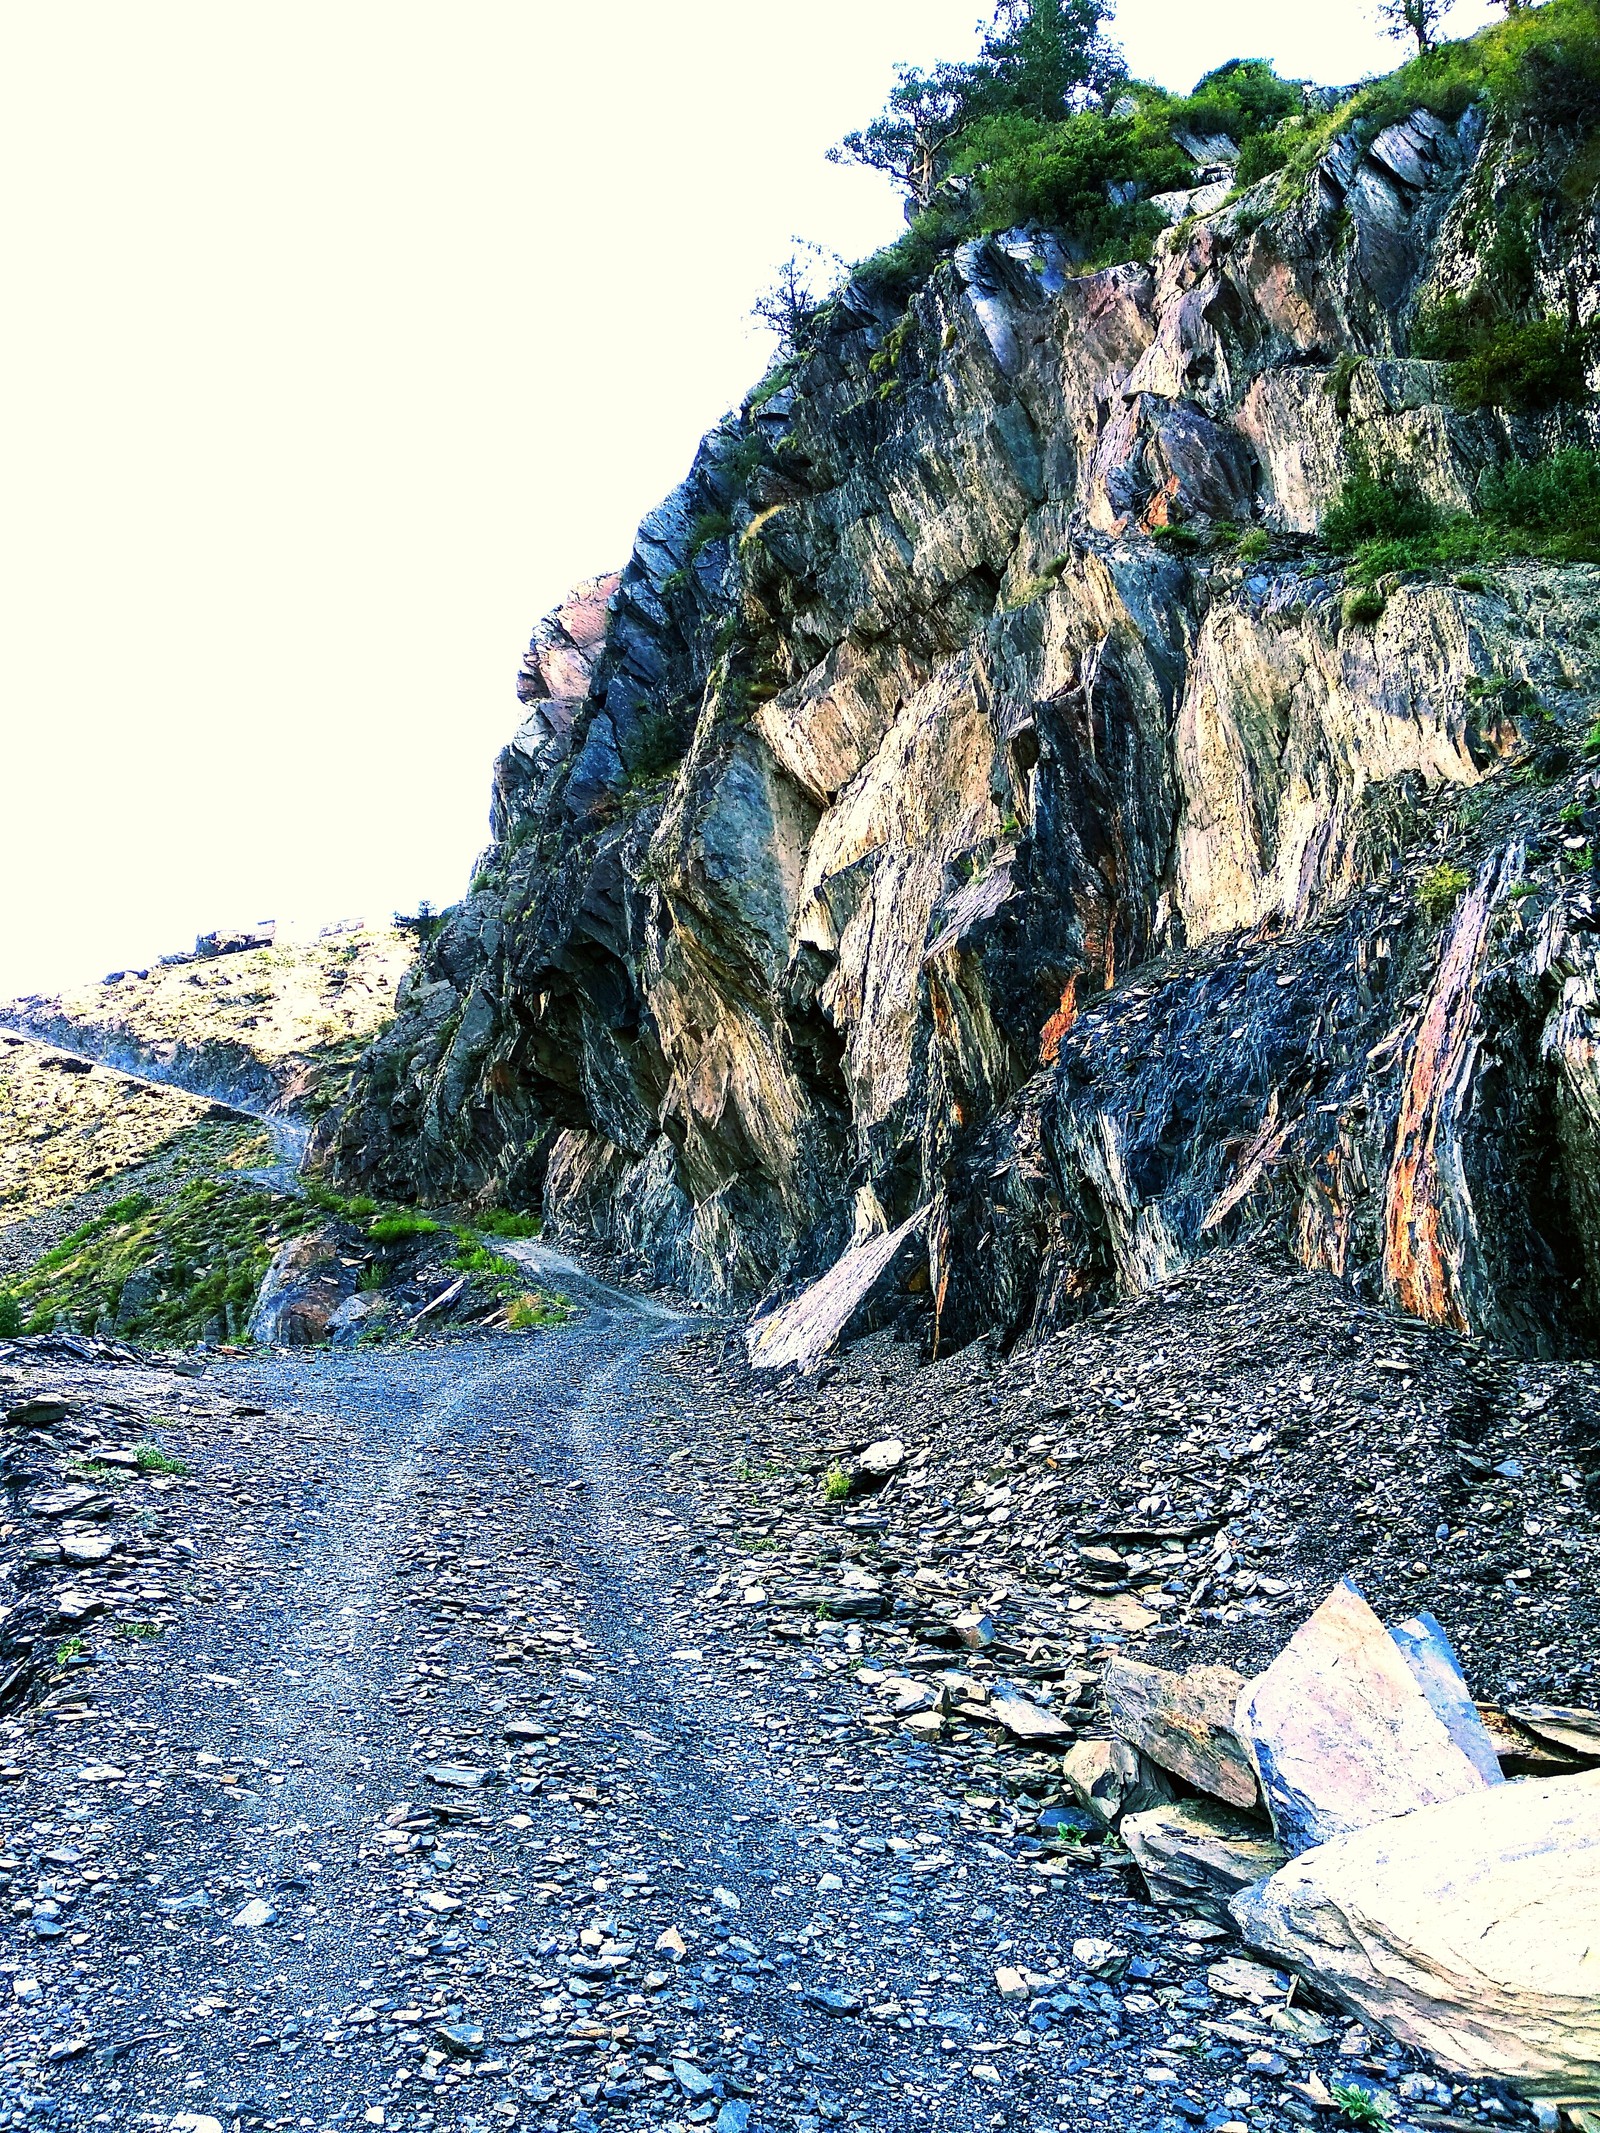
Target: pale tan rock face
x,y
1184,1722
1465,1929
1340,1732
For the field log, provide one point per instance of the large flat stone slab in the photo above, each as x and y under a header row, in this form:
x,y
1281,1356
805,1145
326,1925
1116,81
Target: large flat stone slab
x,y
802,1333
1468,1930
1340,1732
1184,1722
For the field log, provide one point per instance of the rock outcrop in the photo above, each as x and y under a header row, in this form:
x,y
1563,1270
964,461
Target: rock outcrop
x,y
938,830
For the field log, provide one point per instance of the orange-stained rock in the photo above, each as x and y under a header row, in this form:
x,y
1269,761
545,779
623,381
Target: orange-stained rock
x,y
1184,1722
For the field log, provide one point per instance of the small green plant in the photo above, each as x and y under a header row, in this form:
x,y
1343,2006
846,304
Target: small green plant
x,y
504,1222
836,1484
1359,2106
1362,606
371,1278
394,1229
140,1632
153,1460
104,1477
71,1648
1339,381
1441,889
1520,890
1253,545
532,1309
705,528
11,1316
1571,816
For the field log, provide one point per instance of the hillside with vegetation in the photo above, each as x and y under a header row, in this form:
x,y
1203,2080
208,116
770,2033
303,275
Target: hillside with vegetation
x,y
1096,760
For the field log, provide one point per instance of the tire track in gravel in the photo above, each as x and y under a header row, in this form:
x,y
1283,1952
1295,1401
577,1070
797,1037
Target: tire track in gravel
x,y
833,1930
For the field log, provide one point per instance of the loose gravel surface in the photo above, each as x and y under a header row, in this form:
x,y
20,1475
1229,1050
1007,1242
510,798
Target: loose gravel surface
x,y
426,1768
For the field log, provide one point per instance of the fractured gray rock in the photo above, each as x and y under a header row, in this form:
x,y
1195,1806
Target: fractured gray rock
x,y
1199,1853
1184,1722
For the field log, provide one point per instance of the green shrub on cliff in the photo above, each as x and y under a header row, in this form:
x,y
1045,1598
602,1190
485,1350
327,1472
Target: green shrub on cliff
x,y
1528,368
1044,128
1541,507
1441,889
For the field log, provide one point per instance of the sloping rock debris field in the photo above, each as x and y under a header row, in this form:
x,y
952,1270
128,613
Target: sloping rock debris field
x,y
575,1731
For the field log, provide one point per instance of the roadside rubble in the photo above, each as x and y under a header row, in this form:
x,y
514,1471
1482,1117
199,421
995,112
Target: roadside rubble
x,y
553,1733
1383,1862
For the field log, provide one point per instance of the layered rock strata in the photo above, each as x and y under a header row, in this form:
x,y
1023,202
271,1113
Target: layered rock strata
x,y
937,826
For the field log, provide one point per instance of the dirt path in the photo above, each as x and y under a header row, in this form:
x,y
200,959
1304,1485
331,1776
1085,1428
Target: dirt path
x,y
444,1802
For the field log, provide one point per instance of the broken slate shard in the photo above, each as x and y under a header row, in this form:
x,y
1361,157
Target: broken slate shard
x,y
1429,1654
1199,1853
1110,1778
1466,1930
1184,1722
1340,1733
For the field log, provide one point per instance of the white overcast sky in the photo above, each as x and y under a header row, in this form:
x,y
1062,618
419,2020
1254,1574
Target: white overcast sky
x,y
341,338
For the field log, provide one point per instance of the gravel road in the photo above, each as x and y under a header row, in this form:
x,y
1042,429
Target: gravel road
x,y
447,1799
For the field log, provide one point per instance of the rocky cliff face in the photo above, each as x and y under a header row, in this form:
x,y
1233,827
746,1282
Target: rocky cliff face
x,y
936,823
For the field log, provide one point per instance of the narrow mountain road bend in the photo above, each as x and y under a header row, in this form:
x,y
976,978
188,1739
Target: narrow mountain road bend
x,y
441,1804
289,1134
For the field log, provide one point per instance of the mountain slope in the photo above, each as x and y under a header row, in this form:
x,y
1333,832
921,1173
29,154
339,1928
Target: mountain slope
x,y
990,801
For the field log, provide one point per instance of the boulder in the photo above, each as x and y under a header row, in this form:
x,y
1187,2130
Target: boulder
x,y
308,1280
1467,1930
800,1334
1110,1778
1184,1722
1340,1733
880,1460
1199,1853
1427,1651
1571,1731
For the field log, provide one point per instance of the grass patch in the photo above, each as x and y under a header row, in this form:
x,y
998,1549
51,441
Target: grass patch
x,y
139,1632
12,1316
836,1484
163,1273
1441,889
105,1477
532,1309
502,1222
395,1228
153,1460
